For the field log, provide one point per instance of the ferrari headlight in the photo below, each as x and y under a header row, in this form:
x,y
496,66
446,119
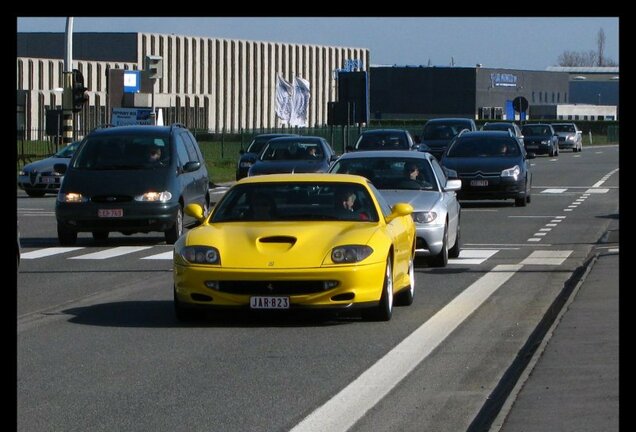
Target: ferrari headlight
x,y
512,172
71,197
164,196
200,255
424,217
350,253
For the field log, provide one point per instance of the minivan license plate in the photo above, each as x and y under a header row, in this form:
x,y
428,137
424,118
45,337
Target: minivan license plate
x,y
479,182
264,302
110,213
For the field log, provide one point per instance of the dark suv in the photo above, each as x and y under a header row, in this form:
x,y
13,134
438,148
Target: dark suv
x,y
439,132
131,179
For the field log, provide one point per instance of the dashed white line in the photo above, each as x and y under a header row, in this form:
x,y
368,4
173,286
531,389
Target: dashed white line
x,y
110,253
47,252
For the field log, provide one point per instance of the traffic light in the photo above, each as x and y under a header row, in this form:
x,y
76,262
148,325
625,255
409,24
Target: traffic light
x,y
79,91
154,67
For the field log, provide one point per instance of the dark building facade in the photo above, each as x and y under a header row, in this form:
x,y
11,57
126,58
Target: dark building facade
x,y
413,92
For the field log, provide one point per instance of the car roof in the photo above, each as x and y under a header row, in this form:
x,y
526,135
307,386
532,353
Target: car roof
x,y
445,119
373,131
132,129
385,154
483,133
303,177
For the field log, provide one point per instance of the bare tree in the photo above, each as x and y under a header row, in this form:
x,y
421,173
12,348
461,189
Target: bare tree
x,y
600,43
588,58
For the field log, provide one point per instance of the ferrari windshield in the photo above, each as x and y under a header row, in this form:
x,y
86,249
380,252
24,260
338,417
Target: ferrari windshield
x,y
296,201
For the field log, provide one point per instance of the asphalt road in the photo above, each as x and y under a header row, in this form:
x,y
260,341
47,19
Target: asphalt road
x,y
98,347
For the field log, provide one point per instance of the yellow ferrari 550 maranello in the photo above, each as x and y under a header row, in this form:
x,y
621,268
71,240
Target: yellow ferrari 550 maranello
x,y
290,241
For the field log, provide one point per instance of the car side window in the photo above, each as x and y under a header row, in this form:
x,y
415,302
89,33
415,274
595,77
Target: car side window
x,y
439,172
182,152
190,148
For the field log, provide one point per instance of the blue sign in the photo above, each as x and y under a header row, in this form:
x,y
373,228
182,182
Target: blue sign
x,y
132,81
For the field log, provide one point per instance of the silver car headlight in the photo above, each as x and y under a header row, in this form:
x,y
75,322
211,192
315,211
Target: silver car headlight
x,y
424,217
512,172
164,196
350,253
200,255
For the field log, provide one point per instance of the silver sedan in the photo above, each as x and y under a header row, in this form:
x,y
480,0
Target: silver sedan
x,y
416,178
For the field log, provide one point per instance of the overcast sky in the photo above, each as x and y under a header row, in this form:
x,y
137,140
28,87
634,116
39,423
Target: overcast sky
x,y
512,43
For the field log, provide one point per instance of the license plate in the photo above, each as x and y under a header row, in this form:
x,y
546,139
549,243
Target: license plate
x,y
110,213
479,182
533,147
48,180
264,302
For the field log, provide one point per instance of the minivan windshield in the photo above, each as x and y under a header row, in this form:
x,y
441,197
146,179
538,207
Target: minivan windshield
x,y
483,147
121,152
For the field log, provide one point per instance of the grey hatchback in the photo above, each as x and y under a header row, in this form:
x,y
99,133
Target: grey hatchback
x,y
131,179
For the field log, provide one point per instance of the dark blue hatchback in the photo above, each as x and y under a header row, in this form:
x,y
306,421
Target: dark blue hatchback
x,y
131,179
491,165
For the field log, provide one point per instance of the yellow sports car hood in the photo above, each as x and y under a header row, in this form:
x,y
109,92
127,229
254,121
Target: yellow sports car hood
x,y
285,244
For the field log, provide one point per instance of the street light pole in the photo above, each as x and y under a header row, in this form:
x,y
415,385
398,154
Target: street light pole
x,y
67,95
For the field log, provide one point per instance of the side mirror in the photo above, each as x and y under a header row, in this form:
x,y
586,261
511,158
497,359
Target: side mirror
x,y
60,168
399,209
450,173
191,166
453,185
195,211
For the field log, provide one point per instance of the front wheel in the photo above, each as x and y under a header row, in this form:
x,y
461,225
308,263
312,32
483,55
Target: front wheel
x,y
456,249
441,259
173,233
384,310
405,298
66,236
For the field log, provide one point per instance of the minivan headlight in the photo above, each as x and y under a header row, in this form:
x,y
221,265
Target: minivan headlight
x,y
164,196
71,197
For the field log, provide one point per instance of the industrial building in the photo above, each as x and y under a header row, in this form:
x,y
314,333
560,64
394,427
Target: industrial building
x,y
208,83
413,92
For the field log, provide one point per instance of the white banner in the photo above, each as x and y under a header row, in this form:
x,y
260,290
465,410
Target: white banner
x,y
300,102
283,99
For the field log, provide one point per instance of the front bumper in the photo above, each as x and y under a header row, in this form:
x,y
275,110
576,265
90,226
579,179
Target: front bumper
x,y
497,188
357,286
538,148
40,182
137,216
429,239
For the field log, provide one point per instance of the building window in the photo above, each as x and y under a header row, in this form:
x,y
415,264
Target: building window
x,y
533,98
558,97
540,97
565,97
552,97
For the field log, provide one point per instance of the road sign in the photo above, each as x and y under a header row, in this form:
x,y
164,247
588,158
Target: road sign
x,y
520,104
132,81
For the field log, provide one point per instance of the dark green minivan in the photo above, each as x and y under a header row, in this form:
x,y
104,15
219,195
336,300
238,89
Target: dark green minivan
x,y
131,179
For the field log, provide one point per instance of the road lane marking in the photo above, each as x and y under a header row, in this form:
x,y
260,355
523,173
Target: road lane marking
x,y
598,190
47,252
114,252
161,256
544,257
344,409
473,256
553,191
